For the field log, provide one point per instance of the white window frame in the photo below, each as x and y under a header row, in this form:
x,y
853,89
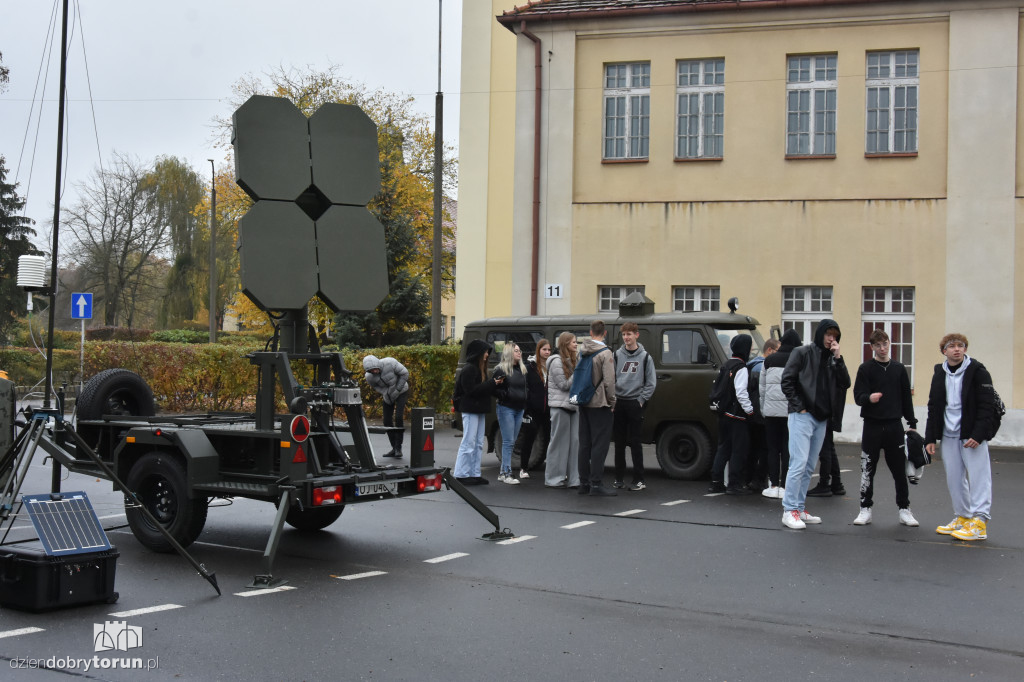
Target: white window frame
x,y
444,327
696,298
627,87
700,82
803,307
452,322
893,86
811,104
609,295
896,317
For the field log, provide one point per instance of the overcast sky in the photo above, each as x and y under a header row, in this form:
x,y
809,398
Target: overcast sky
x,y
161,71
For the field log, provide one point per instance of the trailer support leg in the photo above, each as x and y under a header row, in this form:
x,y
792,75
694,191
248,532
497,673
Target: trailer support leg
x,y
481,508
267,579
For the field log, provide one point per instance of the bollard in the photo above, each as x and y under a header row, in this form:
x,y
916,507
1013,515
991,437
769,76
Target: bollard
x,y
421,452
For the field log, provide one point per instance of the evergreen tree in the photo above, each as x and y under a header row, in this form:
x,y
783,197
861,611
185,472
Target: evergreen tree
x,y
15,231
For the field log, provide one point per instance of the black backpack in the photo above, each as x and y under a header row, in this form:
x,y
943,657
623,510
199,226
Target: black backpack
x,y
723,393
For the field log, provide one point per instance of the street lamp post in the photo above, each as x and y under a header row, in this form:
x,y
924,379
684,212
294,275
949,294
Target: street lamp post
x,y
213,252
435,301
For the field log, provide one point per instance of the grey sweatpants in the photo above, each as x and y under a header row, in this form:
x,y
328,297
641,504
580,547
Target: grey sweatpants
x,y
968,477
560,467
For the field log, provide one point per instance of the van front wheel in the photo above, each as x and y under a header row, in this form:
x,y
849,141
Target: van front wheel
x,y
684,451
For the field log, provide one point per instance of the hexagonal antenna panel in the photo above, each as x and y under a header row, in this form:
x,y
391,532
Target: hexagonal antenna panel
x,y
277,256
271,139
343,145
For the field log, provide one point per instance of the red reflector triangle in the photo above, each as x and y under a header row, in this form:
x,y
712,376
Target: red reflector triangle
x,y
428,444
300,455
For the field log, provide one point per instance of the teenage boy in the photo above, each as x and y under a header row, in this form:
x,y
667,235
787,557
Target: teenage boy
x,y
882,390
390,378
815,381
733,429
634,386
596,415
961,413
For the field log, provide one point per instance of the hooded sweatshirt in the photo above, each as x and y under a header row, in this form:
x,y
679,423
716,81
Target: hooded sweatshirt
x,y
476,389
740,347
773,401
603,374
634,374
815,381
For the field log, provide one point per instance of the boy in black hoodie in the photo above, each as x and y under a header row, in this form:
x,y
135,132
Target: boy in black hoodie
x,y
882,390
733,430
815,381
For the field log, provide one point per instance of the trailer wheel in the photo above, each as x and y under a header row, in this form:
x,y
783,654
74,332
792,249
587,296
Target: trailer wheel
x,y
159,482
316,518
115,391
684,451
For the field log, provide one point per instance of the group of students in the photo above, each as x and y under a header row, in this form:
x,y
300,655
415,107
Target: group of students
x,y
538,394
800,393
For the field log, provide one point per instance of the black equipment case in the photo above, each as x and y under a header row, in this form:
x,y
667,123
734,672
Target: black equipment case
x,y
32,581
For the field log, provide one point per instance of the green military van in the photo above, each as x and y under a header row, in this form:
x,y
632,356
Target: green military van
x,y
687,350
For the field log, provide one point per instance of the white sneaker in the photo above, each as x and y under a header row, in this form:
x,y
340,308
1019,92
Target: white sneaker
x,y
509,478
864,517
791,519
907,519
772,492
523,473
809,519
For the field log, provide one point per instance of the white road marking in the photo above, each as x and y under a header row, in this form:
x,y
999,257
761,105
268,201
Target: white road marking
x,y
521,538
714,494
446,557
673,503
578,524
268,590
630,512
22,631
357,576
148,609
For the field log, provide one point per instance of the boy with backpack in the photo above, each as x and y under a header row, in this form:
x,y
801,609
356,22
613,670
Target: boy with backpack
x,y
595,410
734,409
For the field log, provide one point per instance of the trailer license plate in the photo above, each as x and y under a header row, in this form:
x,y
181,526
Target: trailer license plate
x,y
389,488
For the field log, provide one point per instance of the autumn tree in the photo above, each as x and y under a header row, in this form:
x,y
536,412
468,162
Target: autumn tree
x,y
232,203
404,206
121,237
15,231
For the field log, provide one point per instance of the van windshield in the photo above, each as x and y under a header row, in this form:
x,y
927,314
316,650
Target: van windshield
x,y
726,335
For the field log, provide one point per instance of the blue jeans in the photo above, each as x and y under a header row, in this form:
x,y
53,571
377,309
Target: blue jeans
x,y
806,434
467,462
509,421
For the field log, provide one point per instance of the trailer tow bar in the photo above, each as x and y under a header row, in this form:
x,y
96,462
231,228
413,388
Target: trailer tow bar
x,y
481,508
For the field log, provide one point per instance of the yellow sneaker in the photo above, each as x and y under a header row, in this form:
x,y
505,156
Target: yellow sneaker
x,y
953,526
974,529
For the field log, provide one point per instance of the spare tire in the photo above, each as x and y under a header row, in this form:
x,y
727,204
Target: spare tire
x,y
115,392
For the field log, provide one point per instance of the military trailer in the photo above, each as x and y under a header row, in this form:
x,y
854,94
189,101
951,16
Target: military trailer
x,y
687,349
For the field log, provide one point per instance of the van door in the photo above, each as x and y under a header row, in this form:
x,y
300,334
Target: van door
x,y
686,368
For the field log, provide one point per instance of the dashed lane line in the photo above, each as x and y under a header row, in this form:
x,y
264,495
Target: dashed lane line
x,y
521,538
673,503
359,576
19,632
578,524
630,512
446,557
269,590
148,609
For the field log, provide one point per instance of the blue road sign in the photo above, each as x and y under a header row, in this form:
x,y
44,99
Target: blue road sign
x,y
81,306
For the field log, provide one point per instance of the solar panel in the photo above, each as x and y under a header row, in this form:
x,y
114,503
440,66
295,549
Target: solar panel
x,y
66,523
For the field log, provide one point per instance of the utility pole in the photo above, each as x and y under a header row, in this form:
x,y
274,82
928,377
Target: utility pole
x,y
213,252
435,300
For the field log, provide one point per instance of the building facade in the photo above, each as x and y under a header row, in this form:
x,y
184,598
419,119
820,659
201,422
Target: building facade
x,y
860,160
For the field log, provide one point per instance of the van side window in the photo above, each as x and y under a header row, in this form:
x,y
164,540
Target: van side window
x,y
683,347
527,341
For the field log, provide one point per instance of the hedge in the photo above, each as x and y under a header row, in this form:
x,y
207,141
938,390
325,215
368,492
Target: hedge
x,y
219,377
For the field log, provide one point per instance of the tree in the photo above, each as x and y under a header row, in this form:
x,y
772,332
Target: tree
x,y
15,231
4,74
121,236
404,206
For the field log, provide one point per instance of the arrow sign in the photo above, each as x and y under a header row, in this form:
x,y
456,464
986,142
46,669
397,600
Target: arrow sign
x,y
81,306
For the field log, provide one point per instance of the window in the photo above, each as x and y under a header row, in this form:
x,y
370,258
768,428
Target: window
x,y
608,297
811,105
689,299
892,81
444,326
803,308
452,333
627,110
892,310
526,340
700,108
683,347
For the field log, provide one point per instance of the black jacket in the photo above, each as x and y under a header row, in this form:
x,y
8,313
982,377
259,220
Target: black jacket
x,y
815,381
536,390
476,389
512,391
977,398
894,385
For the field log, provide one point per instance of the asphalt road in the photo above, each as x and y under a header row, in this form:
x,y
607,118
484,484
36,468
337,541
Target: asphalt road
x,y
664,584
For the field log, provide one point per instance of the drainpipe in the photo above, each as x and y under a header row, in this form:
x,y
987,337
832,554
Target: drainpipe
x,y
535,265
